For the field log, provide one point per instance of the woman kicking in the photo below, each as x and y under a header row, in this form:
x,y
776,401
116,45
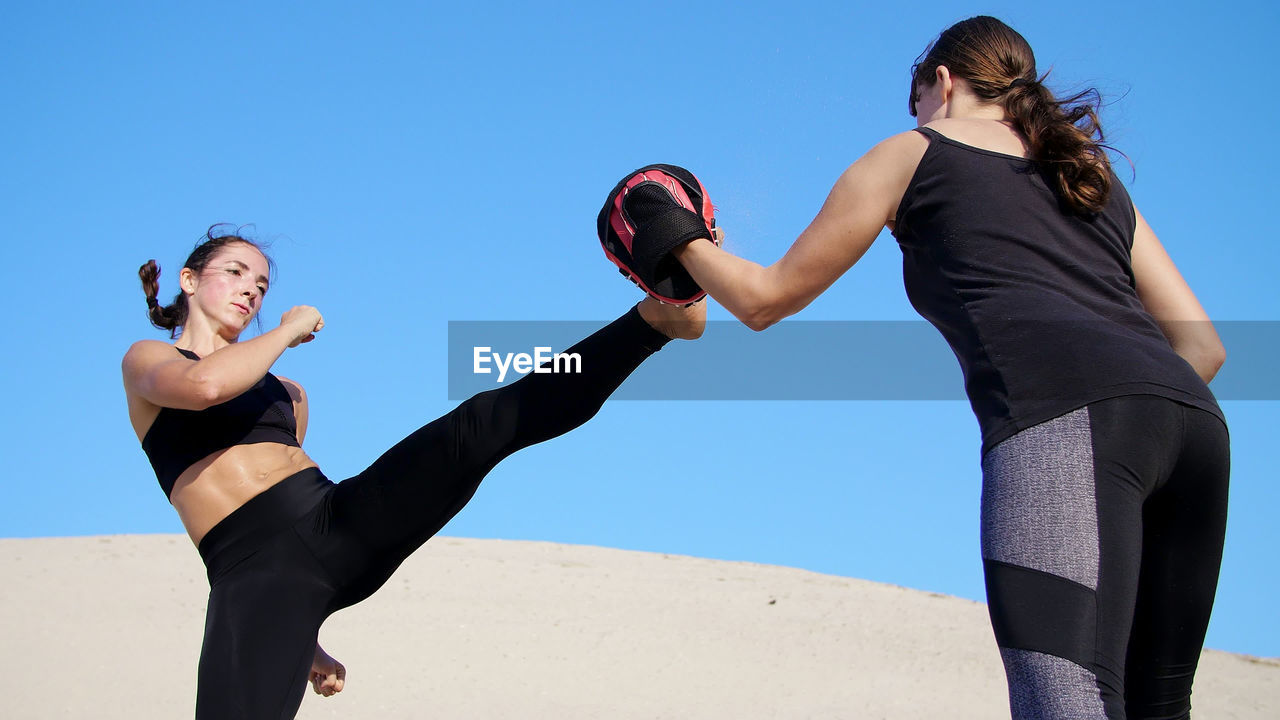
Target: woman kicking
x,y
284,546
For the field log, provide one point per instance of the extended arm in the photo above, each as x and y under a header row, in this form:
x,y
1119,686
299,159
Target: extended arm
x,y
1166,295
862,202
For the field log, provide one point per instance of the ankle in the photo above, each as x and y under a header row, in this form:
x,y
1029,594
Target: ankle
x,y
677,323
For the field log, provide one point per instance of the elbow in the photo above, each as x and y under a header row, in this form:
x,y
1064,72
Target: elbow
x,y
1206,357
762,316
1198,343
765,307
759,322
1212,361
205,393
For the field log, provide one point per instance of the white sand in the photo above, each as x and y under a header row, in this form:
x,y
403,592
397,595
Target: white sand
x,y
110,627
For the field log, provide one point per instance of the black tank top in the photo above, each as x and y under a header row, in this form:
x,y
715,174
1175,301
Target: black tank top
x,y
180,438
1038,304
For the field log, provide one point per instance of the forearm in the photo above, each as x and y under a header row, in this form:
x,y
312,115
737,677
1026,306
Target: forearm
x,y
743,287
232,370
865,197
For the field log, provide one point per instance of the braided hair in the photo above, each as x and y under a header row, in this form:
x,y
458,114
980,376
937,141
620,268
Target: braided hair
x,y
174,315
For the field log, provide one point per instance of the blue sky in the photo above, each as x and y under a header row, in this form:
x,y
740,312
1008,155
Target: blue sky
x,y
414,165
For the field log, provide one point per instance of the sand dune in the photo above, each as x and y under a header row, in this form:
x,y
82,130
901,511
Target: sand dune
x,y
110,627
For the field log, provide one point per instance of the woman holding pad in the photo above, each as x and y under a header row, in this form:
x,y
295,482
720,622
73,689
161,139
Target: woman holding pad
x,y
1085,354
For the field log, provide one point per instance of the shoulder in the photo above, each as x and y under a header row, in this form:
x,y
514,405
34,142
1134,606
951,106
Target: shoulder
x,y
1119,193
140,366
892,160
905,146
150,346
885,171
145,353
980,133
294,388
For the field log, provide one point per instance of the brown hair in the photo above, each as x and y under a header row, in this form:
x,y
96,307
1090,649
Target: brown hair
x,y
1063,136
174,315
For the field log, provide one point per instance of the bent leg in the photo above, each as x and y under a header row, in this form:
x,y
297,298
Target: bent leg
x,y
260,634
416,487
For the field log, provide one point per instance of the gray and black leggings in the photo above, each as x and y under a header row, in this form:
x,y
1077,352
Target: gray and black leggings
x,y
306,547
1102,535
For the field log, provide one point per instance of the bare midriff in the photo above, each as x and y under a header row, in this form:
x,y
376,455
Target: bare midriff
x,y
210,490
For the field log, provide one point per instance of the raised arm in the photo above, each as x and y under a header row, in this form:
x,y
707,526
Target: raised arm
x,y
862,202
1166,295
153,373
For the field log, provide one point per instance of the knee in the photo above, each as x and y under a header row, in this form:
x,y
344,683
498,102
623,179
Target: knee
x,y
1046,627
1040,611
484,425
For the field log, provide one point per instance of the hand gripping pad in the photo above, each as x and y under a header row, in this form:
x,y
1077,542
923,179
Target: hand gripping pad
x,y
649,213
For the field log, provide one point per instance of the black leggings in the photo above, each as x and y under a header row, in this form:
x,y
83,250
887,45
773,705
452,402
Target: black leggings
x,y
306,547
1102,536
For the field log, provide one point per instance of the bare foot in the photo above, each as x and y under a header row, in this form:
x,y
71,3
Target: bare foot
x,y
685,323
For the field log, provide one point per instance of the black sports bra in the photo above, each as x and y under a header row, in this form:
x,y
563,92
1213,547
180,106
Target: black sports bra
x,y
180,438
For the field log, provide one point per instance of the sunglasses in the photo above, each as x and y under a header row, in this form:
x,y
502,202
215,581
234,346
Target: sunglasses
x,y
914,97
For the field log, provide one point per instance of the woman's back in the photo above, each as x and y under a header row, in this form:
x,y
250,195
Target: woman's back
x,y
1037,301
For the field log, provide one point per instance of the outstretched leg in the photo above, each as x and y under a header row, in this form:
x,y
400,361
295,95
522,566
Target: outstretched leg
x,y
416,487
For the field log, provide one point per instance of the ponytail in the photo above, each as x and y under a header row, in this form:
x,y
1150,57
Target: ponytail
x,y
166,317
1065,138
